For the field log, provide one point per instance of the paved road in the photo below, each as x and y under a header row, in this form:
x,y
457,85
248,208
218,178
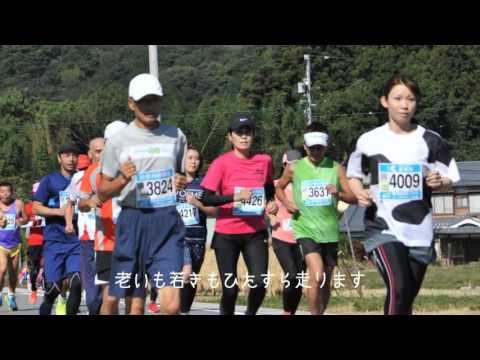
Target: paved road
x,y
198,309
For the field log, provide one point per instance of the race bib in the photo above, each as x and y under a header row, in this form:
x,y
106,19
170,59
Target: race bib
x,y
189,214
400,182
38,221
155,189
63,195
254,207
116,209
91,215
11,222
314,193
287,225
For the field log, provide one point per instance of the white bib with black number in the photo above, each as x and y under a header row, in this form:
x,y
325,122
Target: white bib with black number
x,y
116,209
287,225
254,207
155,189
400,182
64,196
314,193
189,214
11,222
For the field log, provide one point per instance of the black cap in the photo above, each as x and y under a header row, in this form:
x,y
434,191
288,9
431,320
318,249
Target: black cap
x,y
68,148
240,121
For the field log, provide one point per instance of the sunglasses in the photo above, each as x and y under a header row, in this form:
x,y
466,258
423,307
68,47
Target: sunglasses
x,y
316,148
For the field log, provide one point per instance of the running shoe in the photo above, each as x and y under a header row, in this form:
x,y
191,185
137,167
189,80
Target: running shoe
x,y
32,300
61,308
12,303
153,308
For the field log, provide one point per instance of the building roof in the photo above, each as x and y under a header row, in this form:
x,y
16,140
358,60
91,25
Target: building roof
x,y
469,174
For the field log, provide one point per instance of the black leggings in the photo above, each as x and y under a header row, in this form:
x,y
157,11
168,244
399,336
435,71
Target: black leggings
x,y
290,258
254,248
34,262
402,275
188,291
52,290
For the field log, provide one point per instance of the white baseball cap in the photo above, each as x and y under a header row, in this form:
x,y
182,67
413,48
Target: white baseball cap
x,y
144,85
113,128
316,138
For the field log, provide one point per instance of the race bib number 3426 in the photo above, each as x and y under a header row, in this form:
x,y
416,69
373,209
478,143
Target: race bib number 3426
x,y
155,189
400,182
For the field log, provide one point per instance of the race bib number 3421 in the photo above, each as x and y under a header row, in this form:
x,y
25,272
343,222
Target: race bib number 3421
x,y
400,182
155,189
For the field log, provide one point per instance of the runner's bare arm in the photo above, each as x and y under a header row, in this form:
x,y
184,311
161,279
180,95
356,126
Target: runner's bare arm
x,y
22,216
282,184
86,205
111,187
363,195
346,195
40,210
438,183
69,229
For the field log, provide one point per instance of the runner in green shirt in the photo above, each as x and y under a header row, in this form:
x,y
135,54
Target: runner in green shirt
x,y
318,183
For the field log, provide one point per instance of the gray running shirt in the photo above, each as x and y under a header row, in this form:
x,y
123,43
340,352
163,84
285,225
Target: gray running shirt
x,y
158,154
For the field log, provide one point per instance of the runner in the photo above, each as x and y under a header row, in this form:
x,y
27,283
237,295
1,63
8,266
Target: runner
x,y
194,215
14,216
86,227
286,247
106,218
244,182
405,163
61,251
35,246
139,165
318,184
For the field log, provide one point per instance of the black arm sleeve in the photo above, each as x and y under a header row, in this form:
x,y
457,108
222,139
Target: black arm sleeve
x,y
270,191
211,199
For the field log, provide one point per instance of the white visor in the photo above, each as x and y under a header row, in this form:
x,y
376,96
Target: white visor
x,y
316,138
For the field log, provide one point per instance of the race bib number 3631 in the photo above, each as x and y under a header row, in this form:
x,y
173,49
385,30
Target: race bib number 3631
x,y
155,189
400,182
254,207
314,193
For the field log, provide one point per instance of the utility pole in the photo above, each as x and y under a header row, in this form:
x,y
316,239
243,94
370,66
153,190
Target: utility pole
x,y
308,88
305,87
153,56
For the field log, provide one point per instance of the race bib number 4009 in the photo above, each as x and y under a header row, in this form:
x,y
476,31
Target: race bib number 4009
x,y
155,189
314,193
400,182
254,207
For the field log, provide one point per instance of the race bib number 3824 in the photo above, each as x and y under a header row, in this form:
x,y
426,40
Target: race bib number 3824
x,y
155,189
400,182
